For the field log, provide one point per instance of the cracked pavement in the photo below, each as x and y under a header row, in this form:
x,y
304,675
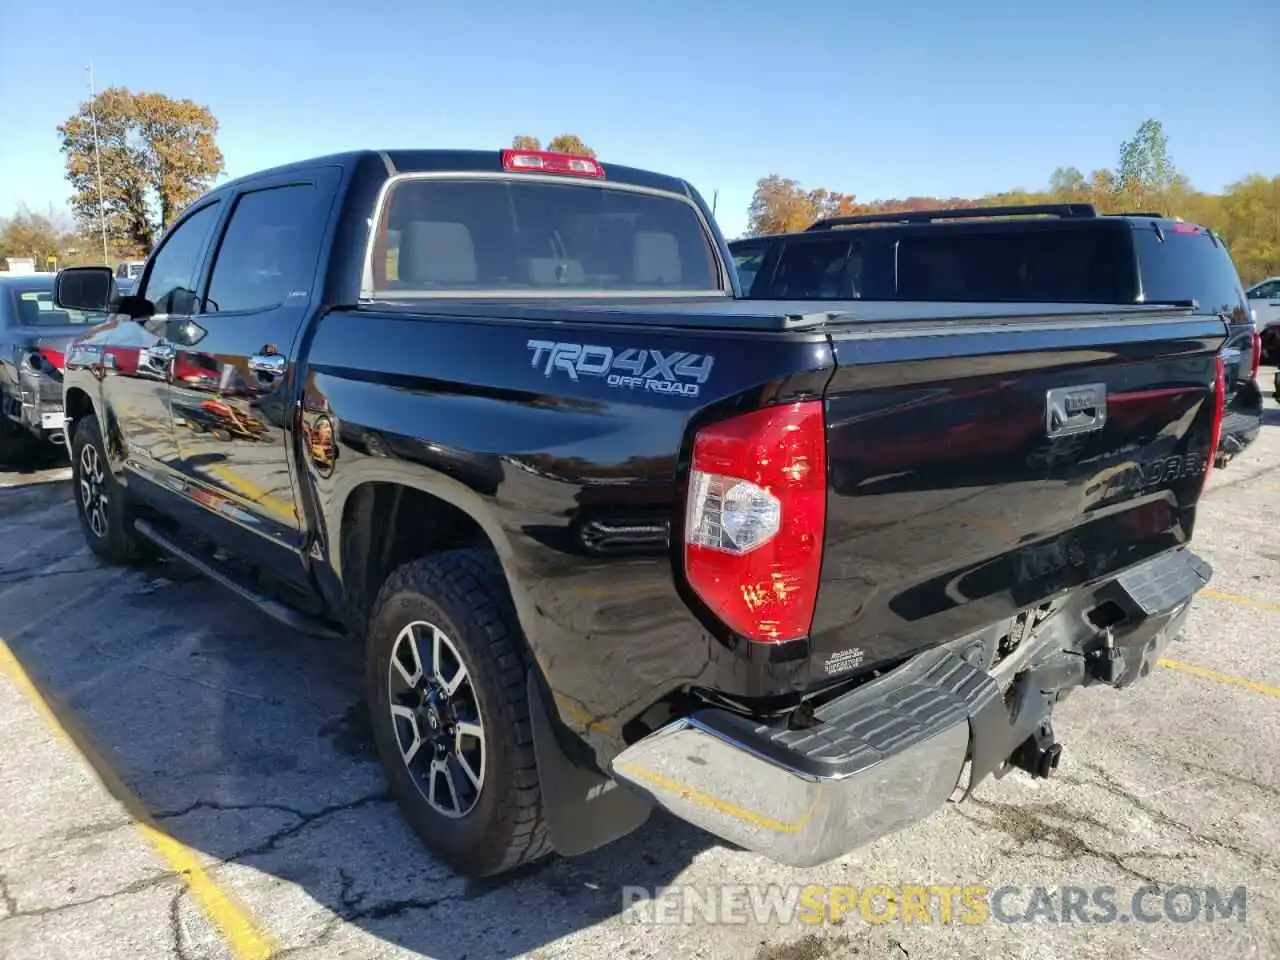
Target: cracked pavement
x,y
248,745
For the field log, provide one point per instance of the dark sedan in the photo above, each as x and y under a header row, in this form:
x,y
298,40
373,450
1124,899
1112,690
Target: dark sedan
x,y
33,336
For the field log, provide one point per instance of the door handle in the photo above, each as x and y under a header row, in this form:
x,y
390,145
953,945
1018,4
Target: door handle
x,y
272,363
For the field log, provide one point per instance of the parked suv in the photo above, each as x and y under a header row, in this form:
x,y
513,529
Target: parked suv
x,y
1264,299
1032,253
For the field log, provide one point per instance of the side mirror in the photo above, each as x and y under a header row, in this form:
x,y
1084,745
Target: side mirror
x,y
90,289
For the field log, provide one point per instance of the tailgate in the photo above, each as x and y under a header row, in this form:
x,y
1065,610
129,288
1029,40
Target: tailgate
x,y
979,467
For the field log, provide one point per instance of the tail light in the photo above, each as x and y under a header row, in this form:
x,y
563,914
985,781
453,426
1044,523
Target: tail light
x,y
54,357
1257,354
755,520
44,360
1219,411
544,161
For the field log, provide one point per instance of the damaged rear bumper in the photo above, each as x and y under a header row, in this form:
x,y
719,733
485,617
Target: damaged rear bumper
x,y
37,405
890,752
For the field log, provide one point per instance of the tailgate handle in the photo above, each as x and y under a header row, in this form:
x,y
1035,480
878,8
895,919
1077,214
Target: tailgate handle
x,y
1078,409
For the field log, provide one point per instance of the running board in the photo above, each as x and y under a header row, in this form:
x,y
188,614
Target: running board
x,y
281,612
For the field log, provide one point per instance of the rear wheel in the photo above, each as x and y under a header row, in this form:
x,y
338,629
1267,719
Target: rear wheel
x,y
104,514
445,684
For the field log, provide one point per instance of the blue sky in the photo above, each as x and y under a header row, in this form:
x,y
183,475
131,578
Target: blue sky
x,y
885,99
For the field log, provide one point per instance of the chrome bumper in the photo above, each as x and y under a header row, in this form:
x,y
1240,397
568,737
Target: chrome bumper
x,y
891,752
881,758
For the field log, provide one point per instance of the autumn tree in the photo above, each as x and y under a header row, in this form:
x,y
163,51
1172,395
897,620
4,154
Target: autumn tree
x,y
157,155
565,143
779,205
570,143
36,235
1250,211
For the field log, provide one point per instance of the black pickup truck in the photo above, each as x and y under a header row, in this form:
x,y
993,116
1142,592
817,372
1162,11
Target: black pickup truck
x,y
612,535
1060,253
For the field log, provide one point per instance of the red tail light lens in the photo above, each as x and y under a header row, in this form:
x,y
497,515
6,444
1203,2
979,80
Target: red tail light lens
x,y
1219,411
54,357
1257,355
755,519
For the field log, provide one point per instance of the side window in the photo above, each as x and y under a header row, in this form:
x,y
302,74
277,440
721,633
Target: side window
x,y
268,251
818,270
747,262
171,286
1266,291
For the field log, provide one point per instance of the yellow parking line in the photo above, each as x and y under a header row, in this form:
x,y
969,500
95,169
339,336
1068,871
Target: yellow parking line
x,y
1205,673
232,920
1242,601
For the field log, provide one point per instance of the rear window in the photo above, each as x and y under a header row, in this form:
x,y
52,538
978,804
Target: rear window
x,y
509,237
1188,266
1052,266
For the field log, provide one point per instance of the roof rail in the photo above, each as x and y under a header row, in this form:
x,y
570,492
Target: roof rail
x,y
1066,210
1139,213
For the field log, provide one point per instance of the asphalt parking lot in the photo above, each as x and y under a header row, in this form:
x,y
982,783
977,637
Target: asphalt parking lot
x,y
180,777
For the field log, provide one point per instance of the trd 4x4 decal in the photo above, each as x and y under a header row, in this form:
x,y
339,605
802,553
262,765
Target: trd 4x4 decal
x,y
631,369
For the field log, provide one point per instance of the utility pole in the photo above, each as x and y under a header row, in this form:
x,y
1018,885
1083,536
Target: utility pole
x,y
97,159
715,195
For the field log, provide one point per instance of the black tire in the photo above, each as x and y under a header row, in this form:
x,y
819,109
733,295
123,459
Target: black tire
x,y
116,542
464,594
15,442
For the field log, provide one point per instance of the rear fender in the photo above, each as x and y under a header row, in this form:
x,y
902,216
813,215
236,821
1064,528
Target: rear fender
x,y
329,533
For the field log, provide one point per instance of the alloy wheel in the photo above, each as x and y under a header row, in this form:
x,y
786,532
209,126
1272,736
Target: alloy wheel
x,y
93,490
436,716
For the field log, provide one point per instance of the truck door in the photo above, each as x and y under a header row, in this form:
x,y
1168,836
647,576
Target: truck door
x,y
138,354
232,387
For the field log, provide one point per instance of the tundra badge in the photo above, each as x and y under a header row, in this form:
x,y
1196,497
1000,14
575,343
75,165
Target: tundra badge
x,y
1071,410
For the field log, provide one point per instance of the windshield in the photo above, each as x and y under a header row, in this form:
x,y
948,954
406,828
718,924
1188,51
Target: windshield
x,y
34,307
511,237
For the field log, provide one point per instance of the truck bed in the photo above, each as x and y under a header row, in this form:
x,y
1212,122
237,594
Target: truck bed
x,y
948,507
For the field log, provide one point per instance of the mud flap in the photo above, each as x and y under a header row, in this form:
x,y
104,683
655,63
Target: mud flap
x,y
585,809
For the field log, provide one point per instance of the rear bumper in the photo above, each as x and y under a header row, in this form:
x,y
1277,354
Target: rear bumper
x,y
889,753
1242,420
39,407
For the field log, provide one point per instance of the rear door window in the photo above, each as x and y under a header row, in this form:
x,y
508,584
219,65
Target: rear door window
x,y
819,270
747,261
496,237
269,250
1179,264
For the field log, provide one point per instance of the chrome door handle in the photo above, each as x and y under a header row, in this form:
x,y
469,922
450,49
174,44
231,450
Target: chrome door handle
x,y
272,363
